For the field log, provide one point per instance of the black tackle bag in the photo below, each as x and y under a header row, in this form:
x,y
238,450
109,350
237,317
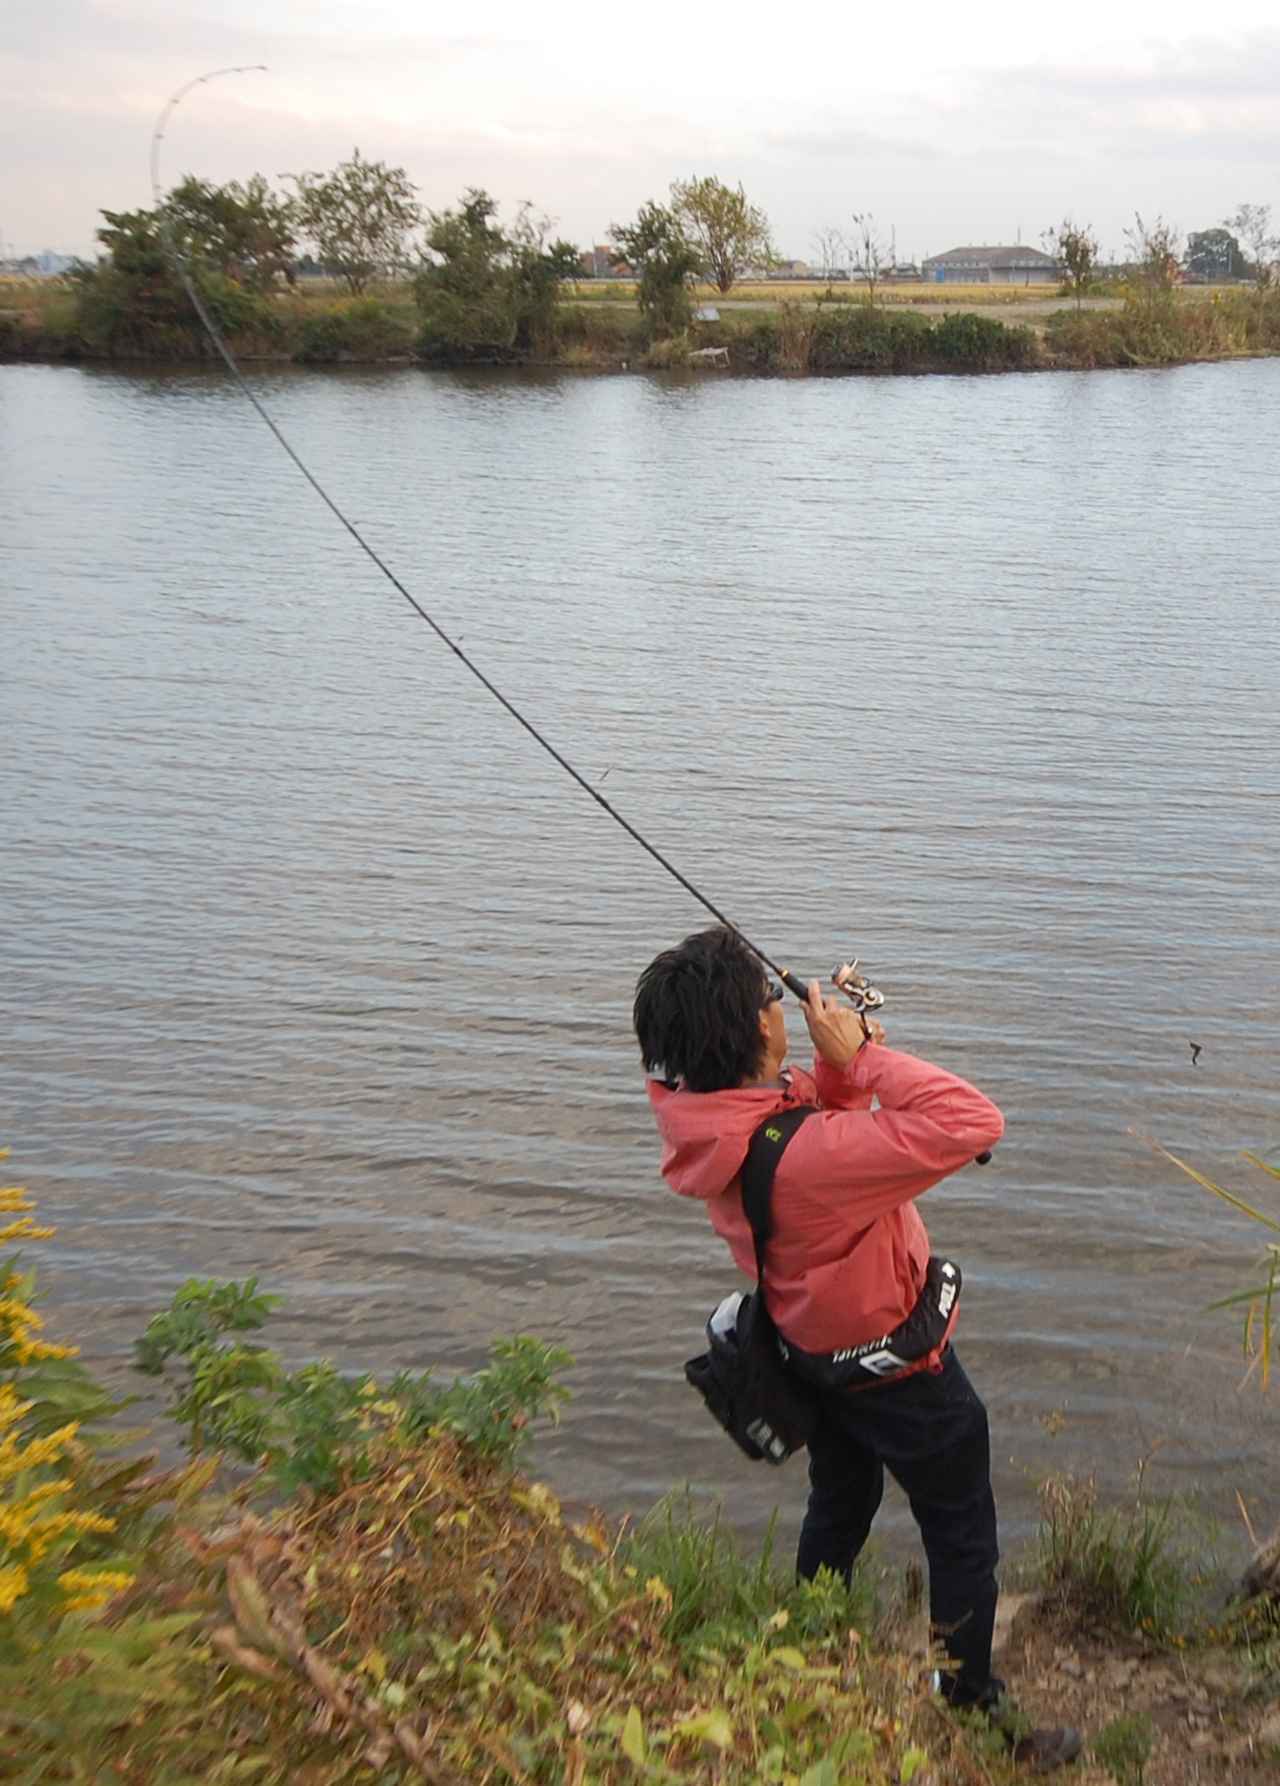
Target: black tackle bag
x,y
743,1377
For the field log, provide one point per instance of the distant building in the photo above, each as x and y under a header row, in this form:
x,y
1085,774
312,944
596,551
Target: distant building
x,y
992,266
602,262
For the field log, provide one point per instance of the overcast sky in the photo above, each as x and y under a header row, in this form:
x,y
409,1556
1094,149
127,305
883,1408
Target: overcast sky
x,y
951,122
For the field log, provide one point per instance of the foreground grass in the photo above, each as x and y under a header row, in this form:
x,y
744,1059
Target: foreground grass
x,y
384,1597
445,1619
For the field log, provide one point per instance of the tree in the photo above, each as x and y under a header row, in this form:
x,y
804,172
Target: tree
x,y
870,255
1155,251
1215,254
134,298
730,234
667,262
135,244
359,218
245,233
485,293
830,249
462,298
1076,246
1252,224
538,269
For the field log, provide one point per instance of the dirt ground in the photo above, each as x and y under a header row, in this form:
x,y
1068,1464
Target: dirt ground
x,y
1215,1718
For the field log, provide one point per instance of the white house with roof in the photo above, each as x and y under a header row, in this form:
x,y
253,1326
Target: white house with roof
x,y
1018,265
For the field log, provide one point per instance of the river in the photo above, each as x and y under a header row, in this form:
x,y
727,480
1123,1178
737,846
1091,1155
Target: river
x,y
315,968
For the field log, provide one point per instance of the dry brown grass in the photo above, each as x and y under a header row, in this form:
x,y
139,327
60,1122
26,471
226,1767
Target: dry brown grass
x,y
440,1620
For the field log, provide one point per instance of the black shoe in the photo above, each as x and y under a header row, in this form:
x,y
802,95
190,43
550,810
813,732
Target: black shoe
x,y
1040,1751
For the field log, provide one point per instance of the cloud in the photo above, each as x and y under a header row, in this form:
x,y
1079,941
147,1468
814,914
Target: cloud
x,y
845,141
1208,95
590,124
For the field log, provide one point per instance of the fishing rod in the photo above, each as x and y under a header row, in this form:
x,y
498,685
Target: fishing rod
x,y
863,996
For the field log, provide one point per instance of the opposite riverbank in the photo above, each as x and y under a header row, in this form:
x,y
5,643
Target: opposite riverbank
x,y
819,331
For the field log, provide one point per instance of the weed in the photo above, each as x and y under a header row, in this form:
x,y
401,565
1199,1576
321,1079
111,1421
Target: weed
x,y
1114,1568
1258,1338
1125,1746
715,1595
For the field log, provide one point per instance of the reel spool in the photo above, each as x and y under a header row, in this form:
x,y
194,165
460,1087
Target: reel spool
x,y
859,991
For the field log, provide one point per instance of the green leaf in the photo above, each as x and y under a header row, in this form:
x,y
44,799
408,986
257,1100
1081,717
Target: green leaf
x,y
714,1726
912,1762
1240,1296
789,1657
632,1739
822,1773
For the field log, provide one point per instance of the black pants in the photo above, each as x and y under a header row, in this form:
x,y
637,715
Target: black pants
x,y
930,1432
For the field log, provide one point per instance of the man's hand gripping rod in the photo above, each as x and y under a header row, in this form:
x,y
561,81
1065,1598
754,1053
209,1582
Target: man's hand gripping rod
x,y
862,995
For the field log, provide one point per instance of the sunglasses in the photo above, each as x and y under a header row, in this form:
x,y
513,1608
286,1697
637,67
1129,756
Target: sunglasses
x,y
773,993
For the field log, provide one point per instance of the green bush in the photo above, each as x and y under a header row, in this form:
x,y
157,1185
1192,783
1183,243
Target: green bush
x,y
758,347
124,312
864,338
859,338
315,1427
1087,339
361,329
1162,329
981,344
612,333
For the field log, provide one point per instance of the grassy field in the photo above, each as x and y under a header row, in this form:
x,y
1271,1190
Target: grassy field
x,y
773,293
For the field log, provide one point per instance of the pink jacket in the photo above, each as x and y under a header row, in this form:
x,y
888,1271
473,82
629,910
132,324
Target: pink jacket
x,y
847,1256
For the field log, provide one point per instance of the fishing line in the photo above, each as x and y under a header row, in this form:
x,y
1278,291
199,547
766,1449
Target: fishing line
x,y
215,334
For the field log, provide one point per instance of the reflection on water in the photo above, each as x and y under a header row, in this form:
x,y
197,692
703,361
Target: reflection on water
x,y
317,969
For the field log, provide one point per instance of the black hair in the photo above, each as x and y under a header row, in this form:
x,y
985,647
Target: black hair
x,y
697,1012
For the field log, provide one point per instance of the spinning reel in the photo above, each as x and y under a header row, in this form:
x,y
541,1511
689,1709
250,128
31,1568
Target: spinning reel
x,y
859,991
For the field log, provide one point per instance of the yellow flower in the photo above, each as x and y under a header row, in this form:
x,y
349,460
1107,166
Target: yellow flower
x,y
13,1585
19,1312
23,1229
656,1589
90,1588
34,1350
15,1457
11,1408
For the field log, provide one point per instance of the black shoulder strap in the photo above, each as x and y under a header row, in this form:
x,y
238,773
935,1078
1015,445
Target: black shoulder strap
x,y
768,1145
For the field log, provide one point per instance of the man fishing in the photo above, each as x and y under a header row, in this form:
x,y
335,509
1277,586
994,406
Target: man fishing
x,y
847,1275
